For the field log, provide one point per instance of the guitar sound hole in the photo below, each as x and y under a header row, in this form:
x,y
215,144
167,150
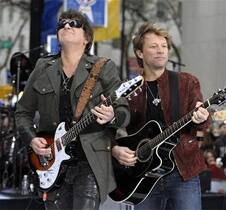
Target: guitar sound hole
x,y
144,151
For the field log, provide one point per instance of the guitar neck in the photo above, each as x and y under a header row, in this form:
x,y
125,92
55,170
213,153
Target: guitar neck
x,y
176,126
83,123
125,90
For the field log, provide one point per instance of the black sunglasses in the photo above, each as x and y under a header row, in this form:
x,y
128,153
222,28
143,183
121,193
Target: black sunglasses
x,y
72,23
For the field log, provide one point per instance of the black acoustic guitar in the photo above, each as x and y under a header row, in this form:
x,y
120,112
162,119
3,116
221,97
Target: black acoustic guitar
x,y
153,148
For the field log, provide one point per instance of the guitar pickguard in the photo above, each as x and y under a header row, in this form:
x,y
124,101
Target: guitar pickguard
x,y
48,175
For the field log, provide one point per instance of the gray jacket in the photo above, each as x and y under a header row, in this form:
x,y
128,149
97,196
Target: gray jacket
x,y
41,96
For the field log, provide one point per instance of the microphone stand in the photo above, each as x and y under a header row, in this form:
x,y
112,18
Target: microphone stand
x,y
175,63
13,147
19,67
18,79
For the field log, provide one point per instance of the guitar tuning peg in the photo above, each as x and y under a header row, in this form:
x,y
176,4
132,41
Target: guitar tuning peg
x,y
129,98
140,89
135,94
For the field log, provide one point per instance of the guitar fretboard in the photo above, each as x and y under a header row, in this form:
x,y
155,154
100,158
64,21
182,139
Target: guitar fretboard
x,y
83,123
174,128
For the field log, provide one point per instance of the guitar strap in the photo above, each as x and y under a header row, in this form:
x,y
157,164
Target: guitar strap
x,y
88,87
175,108
174,93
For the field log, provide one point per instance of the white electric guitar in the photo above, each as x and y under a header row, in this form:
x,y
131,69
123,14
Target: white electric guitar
x,y
48,170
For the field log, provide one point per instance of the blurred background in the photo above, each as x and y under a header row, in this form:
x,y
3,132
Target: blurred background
x,y
28,32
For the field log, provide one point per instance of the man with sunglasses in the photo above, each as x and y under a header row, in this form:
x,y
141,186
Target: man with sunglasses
x,y
53,90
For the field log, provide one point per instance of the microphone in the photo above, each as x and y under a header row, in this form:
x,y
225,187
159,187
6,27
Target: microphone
x,y
176,63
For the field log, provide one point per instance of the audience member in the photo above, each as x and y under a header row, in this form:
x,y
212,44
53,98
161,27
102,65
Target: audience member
x,y
220,143
218,177
215,165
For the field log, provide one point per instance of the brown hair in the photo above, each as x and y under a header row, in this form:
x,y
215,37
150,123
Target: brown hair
x,y
138,39
76,15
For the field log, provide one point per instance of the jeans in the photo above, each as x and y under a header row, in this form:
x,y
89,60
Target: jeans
x,y
171,192
78,192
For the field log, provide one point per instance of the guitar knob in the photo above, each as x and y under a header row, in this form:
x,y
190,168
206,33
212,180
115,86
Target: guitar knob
x,y
49,180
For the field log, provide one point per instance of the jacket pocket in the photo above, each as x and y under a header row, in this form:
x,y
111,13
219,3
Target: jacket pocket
x,y
190,147
43,87
101,145
47,104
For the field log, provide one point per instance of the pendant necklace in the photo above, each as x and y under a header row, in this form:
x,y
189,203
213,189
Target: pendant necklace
x,y
66,80
156,100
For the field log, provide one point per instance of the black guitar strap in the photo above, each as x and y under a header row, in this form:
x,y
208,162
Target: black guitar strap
x,y
174,93
175,108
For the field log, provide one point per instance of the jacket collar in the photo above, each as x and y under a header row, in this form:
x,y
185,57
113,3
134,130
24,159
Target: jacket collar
x,y
82,72
53,72
163,76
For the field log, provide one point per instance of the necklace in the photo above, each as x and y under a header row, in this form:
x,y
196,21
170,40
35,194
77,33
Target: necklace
x,y
156,100
66,81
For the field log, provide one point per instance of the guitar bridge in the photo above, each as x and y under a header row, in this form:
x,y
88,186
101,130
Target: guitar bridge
x,y
151,174
156,173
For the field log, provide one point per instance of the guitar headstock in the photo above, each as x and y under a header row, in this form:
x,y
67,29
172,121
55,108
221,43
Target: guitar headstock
x,y
218,98
129,87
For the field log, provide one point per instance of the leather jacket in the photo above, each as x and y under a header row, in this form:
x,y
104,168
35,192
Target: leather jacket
x,y
187,155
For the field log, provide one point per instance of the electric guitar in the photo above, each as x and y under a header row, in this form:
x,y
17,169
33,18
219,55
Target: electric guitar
x,y
48,170
153,147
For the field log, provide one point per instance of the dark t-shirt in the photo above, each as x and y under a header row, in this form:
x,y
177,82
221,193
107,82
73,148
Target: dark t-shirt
x,y
74,149
154,112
